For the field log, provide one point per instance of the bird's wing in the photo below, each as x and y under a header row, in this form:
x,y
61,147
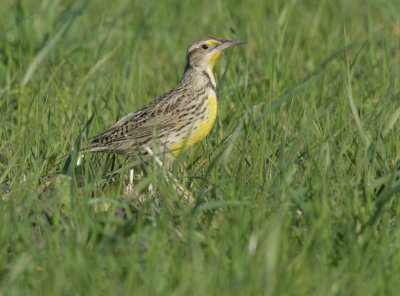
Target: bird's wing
x,y
134,127
151,120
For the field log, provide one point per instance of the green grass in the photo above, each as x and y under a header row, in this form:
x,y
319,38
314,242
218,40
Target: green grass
x,y
298,193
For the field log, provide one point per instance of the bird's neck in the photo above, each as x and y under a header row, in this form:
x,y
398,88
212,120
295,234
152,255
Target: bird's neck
x,y
193,73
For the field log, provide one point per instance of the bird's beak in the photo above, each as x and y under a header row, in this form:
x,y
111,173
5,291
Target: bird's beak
x,y
228,43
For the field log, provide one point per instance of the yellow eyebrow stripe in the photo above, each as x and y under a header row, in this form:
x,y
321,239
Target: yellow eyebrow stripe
x,y
213,42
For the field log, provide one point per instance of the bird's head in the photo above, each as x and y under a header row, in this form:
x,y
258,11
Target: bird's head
x,y
204,53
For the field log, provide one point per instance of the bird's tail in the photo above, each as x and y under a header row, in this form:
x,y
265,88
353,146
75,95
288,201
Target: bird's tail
x,y
78,156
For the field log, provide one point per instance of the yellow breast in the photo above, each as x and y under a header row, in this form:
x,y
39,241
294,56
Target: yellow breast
x,y
201,128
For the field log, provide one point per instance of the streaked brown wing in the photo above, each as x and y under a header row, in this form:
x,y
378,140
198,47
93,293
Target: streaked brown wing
x,y
152,119
129,129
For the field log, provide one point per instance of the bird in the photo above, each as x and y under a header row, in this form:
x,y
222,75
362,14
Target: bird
x,y
176,120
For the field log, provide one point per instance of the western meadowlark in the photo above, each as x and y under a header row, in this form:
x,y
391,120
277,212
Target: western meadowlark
x,y
179,118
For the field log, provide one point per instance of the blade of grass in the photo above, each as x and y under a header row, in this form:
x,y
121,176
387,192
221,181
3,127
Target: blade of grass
x,y
363,137
391,121
43,53
94,69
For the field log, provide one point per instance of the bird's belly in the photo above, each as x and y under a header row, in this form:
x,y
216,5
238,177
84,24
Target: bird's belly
x,y
201,128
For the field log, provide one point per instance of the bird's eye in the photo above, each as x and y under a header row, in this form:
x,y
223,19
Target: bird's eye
x,y
204,46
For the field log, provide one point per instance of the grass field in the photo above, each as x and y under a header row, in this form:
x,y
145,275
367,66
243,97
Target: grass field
x,y
296,186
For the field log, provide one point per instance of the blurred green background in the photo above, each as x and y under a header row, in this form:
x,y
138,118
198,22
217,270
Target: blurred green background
x,y
296,186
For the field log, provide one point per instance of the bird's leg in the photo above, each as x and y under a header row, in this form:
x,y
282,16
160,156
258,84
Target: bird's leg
x,y
131,177
129,187
79,161
151,189
188,198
